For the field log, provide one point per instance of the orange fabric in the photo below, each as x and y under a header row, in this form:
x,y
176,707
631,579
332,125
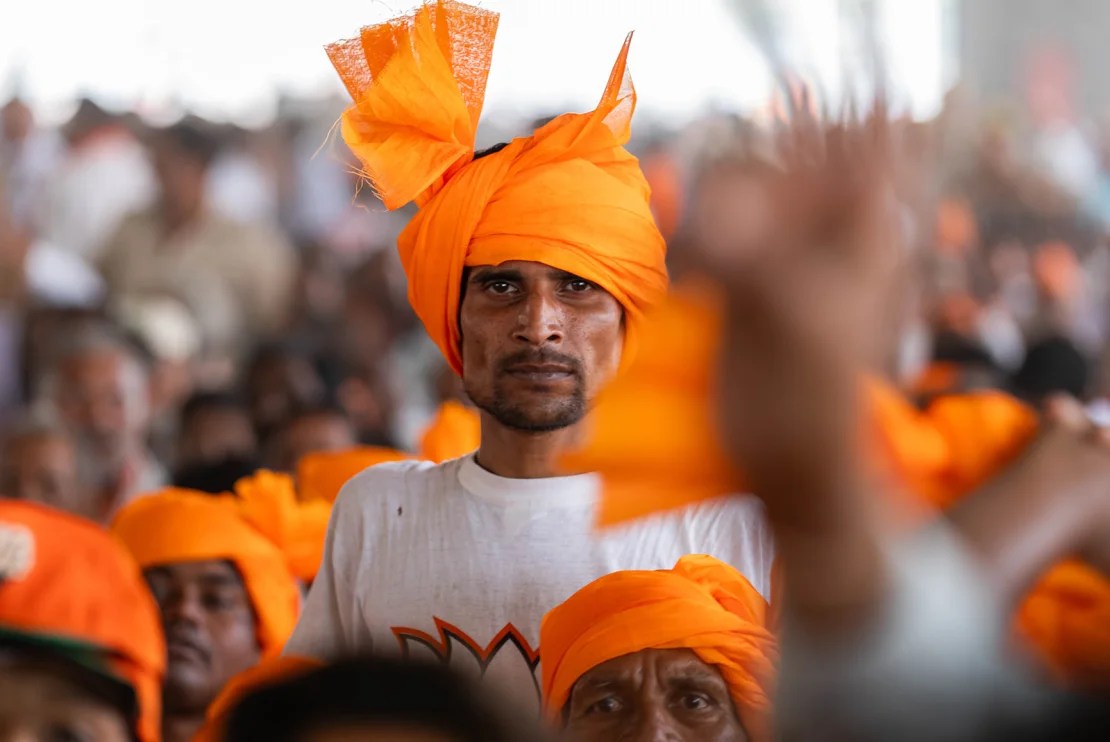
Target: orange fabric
x,y
321,474
1067,619
664,176
956,228
455,431
177,525
664,454
702,604
569,196
270,671
269,502
65,577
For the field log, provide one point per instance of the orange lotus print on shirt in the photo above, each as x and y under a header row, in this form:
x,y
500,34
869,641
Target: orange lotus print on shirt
x,y
508,658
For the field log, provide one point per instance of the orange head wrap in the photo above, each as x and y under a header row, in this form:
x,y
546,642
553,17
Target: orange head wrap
x,y
702,604
64,579
185,526
569,196
321,474
455,431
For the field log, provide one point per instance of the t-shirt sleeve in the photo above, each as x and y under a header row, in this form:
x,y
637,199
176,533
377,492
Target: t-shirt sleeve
x,y
332,623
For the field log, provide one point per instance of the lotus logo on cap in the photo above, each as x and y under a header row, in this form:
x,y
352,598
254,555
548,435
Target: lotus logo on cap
x,y
17,551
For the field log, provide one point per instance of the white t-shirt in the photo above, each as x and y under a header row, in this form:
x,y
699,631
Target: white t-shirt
x,y
452,562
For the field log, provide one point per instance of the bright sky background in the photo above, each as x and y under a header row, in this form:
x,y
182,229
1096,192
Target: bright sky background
x,y
228,58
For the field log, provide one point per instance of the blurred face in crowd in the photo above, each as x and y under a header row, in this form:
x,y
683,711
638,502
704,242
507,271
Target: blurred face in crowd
x,y
537,343
321,431
42,467
656,694
280,385
101,398
182,180
42,702
214,434
210,630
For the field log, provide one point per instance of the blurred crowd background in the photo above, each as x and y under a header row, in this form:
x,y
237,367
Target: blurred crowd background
x,y
184,299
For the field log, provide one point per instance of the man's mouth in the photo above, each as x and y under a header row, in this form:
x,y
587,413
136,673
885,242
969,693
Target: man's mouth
x,y
181,649
540,372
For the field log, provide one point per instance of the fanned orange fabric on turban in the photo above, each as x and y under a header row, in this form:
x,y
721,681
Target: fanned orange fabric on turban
x,y
268,500
569,196
177,525
65,581
702,604
455,431
321,474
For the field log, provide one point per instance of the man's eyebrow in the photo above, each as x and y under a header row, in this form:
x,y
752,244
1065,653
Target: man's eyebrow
x,y
487,275
561,275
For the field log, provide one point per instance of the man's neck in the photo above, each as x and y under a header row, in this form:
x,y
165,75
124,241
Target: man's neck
x,y
518,454
181,727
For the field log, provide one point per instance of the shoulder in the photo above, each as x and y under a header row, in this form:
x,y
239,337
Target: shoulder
x,y
396,480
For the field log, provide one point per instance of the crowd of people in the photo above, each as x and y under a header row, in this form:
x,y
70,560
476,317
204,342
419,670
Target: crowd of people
x,y
400,438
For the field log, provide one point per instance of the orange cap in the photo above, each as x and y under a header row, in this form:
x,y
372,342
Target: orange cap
x,y
184,526
268,672
64,578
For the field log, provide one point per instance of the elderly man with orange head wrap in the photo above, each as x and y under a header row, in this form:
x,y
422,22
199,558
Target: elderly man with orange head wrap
x,y
682,654
226,594
532,266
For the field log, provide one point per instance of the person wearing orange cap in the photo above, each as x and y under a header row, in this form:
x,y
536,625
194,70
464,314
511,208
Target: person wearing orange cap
x,y
81,649
532,266
226,596
678,654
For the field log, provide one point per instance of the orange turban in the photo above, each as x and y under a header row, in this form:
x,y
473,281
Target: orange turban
x,y
455,431
702,604
268,500
569,196
321,474
184,526
64,579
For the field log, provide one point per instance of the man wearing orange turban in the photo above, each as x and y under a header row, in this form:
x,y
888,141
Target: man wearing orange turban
x,y
81,648
683,654
226,595
532,266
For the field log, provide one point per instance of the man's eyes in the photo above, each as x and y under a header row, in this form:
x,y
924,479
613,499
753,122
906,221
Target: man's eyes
x,y
607,705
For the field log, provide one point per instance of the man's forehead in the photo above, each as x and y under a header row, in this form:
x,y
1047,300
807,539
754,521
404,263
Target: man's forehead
x,y
217,571
671,663
523,268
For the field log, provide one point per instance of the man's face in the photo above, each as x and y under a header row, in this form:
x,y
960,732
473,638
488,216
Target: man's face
x,y
215,434
656,694
181,179
312,433
43,468
42,703
100,401
537,343
209,626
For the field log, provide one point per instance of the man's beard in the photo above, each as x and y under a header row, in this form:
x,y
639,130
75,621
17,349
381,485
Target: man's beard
x,y
555,413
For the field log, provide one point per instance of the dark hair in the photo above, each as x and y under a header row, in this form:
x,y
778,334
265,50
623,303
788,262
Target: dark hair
x,y
490,150
215,478
193,138
1052,365
200,401
374,691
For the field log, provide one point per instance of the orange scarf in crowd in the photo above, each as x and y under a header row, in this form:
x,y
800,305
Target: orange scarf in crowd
x,y
177,525
702,604
569,196
64,579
